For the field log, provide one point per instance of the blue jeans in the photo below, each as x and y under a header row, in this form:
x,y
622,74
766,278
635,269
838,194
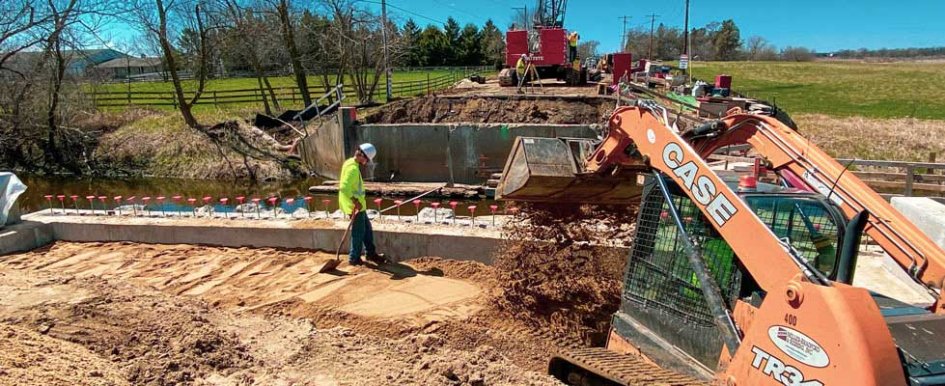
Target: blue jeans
x,y
361,235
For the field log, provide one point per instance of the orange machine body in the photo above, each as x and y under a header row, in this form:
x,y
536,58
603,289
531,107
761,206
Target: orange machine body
x,y
803,333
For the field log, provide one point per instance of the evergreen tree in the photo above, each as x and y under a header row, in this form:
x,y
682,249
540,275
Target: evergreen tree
x,y
727,41
493,44
411,34
433,46
470,46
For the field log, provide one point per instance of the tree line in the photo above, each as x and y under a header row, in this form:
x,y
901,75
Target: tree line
x,y
716,41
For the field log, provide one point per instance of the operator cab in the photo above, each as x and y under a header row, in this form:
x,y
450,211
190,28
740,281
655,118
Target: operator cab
x,y
661,291
664,313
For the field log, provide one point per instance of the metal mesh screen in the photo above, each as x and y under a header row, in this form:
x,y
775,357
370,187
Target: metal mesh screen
x,y
659,274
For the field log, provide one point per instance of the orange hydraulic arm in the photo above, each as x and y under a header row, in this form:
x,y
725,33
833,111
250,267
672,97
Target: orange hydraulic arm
x,y
793,156
807,331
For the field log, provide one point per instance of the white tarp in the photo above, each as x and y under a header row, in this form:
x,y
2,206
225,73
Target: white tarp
x,y
10,188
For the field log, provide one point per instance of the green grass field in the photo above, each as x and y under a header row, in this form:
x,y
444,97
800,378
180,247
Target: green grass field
x,y
875,90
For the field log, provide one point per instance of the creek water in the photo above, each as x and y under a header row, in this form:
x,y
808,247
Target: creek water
x,y
39,186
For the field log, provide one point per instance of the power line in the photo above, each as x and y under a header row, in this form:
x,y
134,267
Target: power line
x,y
407,11
623,38
652,17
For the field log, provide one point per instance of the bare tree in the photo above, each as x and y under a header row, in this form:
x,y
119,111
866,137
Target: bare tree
x,y
287,28
355,36
39,43
161,19
757,48
252,40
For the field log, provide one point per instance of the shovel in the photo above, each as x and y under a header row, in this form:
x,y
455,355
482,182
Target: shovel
x,y
332,264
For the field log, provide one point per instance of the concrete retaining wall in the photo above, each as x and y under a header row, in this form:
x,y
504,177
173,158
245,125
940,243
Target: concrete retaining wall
x,y
926,214
464,153
25,236
397,244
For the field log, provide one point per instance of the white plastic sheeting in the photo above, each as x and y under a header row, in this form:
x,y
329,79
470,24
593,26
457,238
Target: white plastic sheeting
x,y
10,188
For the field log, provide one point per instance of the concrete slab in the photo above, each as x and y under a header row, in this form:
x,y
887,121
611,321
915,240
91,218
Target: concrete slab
x,y
398,239
926,214
25,236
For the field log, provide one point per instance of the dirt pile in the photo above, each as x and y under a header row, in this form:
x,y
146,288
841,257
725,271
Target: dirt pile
x,y
554,275
31,358
494,110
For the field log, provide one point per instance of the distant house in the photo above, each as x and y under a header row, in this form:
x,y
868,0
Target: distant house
x,y
78,62
82,61
126,67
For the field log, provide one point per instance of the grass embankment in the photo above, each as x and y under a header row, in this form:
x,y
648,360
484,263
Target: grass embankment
x,y
842,89
901,139
161,144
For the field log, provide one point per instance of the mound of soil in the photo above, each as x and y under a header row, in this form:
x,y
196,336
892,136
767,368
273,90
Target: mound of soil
x,y
494,110
555,276
31,358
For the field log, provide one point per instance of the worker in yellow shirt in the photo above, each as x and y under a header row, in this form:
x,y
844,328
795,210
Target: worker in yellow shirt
x,y
520,67
351,200
572,46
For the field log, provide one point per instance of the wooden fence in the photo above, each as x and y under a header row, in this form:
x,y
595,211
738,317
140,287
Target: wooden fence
x,y
893,177
286,96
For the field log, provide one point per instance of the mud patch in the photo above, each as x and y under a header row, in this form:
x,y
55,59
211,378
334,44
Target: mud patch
x,y
495,110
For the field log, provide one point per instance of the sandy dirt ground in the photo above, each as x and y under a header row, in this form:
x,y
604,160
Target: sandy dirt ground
x,y
122,313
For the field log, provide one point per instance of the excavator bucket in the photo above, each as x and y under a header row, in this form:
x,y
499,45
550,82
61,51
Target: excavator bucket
x,y
552,170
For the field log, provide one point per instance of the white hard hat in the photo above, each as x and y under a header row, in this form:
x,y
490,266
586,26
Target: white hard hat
x,y
524,56
368,150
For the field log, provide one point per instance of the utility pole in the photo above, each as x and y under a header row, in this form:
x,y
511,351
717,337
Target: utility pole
x,y
653,17
686,46
386,53
623,38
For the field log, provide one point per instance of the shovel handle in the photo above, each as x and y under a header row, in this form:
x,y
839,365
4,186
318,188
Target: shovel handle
x,y
344,237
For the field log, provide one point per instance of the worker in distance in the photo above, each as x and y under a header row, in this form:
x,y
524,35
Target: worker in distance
x,y
351,200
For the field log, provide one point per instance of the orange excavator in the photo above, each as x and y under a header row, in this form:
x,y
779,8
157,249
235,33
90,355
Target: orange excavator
x,y
737,281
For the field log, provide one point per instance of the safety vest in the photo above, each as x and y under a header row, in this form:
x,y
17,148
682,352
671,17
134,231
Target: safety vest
x,y
350,186
520,66
573,39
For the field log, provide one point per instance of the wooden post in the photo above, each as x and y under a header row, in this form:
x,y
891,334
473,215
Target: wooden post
x,y
129,94
932,156
428,83
214,98
910,178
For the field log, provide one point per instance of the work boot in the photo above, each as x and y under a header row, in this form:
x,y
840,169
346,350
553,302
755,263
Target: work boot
x,y
355,262
377,258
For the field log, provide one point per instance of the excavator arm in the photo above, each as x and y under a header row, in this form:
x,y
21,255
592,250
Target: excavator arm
x,y
806,330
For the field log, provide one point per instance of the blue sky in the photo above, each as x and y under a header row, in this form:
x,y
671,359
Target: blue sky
x,y
824,25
